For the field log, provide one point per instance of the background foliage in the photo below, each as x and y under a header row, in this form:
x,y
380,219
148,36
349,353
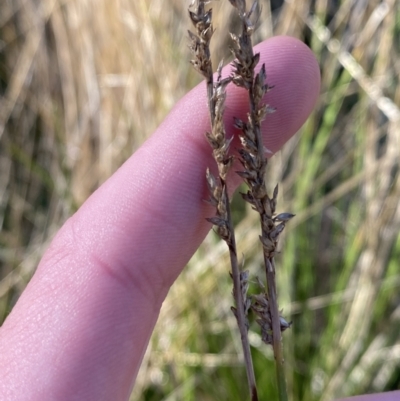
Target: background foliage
x,y
84,83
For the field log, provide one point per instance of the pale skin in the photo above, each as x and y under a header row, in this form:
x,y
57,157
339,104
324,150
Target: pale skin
x,y
81,327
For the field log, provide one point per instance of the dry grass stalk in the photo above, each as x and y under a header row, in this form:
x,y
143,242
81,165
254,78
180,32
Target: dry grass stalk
x,y
200,47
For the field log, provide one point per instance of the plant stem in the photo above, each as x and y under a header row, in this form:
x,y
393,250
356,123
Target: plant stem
x,y
254,161
276,328
219,197
269,264
240,315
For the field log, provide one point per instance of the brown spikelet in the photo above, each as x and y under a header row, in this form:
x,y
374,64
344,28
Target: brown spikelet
x,y
252,156
254,161
219,198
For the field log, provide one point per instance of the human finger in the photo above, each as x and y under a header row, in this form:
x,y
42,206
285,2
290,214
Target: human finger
x,y
81,327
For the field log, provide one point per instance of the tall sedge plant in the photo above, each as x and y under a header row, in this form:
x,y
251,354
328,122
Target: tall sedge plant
x,y
252,156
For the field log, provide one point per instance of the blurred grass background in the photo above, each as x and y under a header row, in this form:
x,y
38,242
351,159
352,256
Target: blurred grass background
x,y
84,83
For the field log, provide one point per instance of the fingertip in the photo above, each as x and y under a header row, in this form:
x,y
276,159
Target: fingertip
x,y
293,72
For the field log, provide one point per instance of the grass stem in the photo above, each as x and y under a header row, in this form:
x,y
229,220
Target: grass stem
x,y
219,196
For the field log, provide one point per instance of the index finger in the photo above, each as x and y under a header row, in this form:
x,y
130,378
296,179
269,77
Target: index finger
x,y
85,319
